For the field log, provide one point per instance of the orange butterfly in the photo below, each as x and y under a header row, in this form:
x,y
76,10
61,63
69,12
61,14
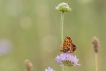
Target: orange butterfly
x,y
68,46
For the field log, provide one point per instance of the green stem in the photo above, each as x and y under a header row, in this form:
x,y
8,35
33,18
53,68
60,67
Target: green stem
x,y
63,68
62,23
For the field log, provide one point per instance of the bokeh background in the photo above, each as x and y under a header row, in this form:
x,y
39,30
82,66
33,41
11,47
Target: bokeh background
x,y
30,29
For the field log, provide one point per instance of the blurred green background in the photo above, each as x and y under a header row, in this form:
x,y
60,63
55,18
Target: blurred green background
x,y
31,30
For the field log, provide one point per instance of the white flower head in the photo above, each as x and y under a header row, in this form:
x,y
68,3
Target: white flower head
x,y
64,7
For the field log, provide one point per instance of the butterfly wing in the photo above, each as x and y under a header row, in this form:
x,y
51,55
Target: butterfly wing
x,y
68,46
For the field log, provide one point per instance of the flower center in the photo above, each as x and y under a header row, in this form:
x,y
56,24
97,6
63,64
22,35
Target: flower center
x,y
67,63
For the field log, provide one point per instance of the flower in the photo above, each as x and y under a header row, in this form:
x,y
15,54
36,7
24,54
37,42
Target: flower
x,y
49,69
0,51
5,46
96,44
66,59
63,7
28,65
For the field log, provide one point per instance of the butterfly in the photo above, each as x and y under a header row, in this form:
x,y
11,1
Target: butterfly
x,y
68,46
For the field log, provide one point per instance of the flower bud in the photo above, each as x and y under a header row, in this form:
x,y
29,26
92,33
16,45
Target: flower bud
x,y
96,44
63,7
28,65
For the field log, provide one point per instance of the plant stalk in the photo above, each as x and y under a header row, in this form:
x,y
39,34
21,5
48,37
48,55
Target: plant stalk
x,y
62,23
96,61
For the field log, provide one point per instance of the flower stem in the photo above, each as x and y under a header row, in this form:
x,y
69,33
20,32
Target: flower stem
x,y
62,23
96,61
63,68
